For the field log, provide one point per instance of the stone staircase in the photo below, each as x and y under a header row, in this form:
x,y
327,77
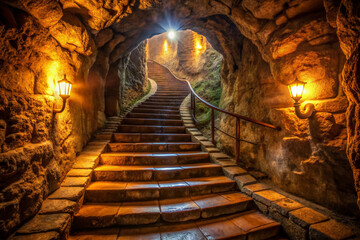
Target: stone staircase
x,y
155,183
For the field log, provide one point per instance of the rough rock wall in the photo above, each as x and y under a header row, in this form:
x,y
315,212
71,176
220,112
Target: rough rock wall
x,y
348,30
37,147
126,81
136,82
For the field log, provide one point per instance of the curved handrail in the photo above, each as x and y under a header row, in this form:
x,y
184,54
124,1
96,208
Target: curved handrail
x,y
268,125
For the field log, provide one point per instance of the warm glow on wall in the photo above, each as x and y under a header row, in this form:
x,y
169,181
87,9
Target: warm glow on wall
x,y
166,46
199,43
52,70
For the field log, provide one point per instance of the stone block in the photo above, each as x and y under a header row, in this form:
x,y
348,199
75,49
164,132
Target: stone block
x,y
267,196
262,207
330,230
285,205
306,216
58,206
70,193
75,182
225,162
207,144
38,236
293,230
212,150
244,180
256,187
80,173
231,172
219,156
46,223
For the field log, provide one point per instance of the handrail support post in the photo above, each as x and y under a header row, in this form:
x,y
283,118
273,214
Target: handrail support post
x,y
237,147
213,126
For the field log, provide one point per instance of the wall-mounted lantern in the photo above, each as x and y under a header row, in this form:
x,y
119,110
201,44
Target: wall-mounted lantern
x,y
296,89
64,92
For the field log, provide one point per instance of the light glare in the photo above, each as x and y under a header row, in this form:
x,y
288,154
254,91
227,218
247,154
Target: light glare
x,y
171,34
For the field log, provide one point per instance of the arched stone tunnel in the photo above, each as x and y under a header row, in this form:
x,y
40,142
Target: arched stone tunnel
x,y
266,44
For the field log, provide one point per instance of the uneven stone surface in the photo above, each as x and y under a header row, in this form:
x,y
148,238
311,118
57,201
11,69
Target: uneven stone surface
x,y
330,229
58,206
46,223
38,236
306,216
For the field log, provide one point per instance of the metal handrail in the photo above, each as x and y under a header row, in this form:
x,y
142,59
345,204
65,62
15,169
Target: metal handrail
x,y
213,108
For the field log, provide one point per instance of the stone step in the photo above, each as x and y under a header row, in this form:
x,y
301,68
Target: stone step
x,y
150,137
155,110
150,129
138,173
149,121
154,97
153,158
154,147
108,191
169,88
98,215
154,115
166,103
144,105
235,226
171,94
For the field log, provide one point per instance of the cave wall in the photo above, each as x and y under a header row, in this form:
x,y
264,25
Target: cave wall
x,y
37,147
126,81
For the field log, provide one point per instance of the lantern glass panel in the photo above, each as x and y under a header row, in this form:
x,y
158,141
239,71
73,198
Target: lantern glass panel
x,y
296,90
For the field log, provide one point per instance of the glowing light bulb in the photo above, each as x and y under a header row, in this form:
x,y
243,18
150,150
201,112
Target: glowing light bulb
x,y
171,34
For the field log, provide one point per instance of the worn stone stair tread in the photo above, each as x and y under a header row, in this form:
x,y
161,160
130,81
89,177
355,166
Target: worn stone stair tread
x,y
156,110
117,168
154,146
112,191
167,210
146,137
154,158
150,129
152,121
156,172
214,228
